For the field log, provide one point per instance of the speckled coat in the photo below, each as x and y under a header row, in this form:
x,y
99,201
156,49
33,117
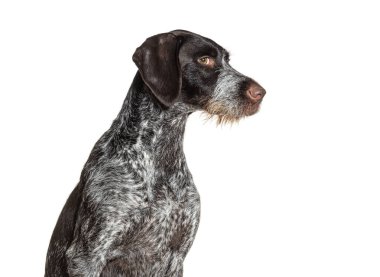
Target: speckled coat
x,y
139,192
135,211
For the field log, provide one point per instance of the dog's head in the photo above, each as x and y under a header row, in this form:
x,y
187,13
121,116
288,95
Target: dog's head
x,y
184,67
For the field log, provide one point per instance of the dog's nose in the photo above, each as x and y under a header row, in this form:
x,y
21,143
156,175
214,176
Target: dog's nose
x,y
255,92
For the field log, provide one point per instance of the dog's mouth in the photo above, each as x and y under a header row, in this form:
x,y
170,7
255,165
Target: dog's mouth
x,y
226,115
252,109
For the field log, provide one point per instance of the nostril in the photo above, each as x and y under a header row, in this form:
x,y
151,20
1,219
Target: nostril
x,y
255,93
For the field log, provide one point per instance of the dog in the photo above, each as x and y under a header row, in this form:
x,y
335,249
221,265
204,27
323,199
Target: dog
x,y
136,210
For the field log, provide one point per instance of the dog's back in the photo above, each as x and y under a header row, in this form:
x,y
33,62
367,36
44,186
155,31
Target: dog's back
x,y
56,264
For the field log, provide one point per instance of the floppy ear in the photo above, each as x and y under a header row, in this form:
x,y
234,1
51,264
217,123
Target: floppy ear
x,y
157,61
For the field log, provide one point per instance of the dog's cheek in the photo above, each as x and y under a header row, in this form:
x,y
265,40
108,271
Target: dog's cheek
x,y
197,86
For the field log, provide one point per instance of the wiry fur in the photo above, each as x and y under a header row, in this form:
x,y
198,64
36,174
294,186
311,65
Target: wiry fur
x,y
135,211
226,103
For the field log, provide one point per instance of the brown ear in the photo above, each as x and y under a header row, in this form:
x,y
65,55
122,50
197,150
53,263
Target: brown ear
x,y
157,61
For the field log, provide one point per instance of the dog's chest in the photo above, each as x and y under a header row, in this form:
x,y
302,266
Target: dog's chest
x,y
164,231
170,220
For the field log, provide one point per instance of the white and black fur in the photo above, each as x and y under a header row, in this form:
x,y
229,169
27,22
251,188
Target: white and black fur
x,y
135,211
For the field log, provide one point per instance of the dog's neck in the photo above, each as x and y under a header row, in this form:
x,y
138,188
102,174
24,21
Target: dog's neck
x,y
145,126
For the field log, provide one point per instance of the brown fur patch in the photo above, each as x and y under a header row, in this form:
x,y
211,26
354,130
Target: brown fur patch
x,y
223,116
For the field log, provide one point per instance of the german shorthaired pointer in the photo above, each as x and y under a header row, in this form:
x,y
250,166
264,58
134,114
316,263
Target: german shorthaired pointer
x,y
135,211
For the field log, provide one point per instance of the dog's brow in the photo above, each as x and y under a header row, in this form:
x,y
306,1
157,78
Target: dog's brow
x,y
207,50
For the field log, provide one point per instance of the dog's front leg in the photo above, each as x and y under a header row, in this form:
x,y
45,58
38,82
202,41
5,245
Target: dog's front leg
x,y
93,246
84,264
84,258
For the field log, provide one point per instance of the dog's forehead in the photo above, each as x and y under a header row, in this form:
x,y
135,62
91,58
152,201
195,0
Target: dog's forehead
x,y
194,43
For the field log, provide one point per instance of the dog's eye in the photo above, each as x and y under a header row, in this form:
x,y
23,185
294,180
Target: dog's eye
x,y
207,61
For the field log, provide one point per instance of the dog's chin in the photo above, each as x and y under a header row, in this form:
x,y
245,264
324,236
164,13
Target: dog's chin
x,y
252,109
224,116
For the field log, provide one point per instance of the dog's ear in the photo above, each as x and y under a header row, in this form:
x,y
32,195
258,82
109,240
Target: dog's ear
x,y
157,61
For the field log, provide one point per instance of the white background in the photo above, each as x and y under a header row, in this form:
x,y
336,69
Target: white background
x,y
291,191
